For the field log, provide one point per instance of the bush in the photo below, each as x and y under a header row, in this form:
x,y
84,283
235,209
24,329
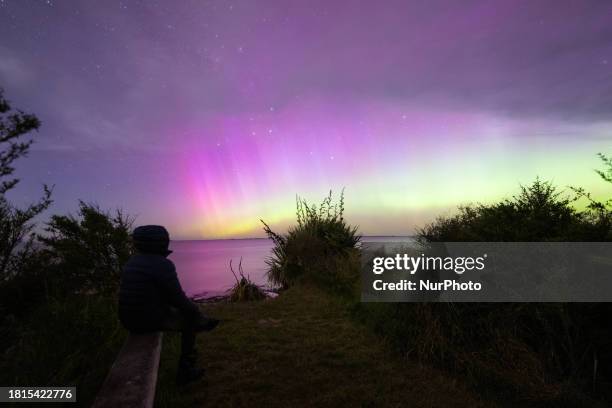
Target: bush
x,y
531,352
87,252
538,213
70,341
536,351
17,247
321,248
58,317
61,324
28,288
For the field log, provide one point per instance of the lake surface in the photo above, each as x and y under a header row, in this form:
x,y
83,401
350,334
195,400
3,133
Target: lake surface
x,y
203,266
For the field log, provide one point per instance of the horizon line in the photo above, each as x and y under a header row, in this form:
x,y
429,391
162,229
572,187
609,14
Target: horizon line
x,y
251,238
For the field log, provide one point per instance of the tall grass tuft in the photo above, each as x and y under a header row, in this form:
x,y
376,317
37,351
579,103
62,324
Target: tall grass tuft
x,y
244,290
320,248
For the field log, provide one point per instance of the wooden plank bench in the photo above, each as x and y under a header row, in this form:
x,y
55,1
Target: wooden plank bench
x,y
133,376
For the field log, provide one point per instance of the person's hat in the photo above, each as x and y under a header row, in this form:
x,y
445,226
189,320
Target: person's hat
x,y
151,239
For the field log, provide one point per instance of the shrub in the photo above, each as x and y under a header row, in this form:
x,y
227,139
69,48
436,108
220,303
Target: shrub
x,y
58,317
244,290
87,252
69,341
22,272
321,248
538,213
530,351
61,324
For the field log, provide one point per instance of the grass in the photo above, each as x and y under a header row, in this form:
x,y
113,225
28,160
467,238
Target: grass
x,y
504,351
63,343
302,349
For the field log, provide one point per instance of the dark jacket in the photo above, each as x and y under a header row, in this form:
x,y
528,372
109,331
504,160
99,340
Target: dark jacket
x,y
149,288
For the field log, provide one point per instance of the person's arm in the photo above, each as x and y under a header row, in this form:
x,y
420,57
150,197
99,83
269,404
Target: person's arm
x,y
173,291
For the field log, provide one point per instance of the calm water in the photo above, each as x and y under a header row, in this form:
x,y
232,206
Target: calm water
x,y
203,266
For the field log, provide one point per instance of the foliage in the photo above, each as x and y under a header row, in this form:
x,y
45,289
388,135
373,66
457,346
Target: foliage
x,y
88,251
538,213
16,224
59,324
13,125
245,289
598,211
606,173
70,341
321,248
536,351
52,331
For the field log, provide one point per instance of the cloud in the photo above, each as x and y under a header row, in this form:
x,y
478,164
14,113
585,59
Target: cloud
x,y
13,70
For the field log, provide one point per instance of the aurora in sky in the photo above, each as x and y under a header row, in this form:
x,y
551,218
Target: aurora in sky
x,y
206,116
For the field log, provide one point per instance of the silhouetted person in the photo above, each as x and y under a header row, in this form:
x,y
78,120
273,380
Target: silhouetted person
x,y
152,299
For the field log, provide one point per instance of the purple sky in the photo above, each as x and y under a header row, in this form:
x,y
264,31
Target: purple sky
x,y
207,116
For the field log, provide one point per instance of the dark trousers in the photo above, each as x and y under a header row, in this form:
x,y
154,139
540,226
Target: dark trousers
x,y
187,325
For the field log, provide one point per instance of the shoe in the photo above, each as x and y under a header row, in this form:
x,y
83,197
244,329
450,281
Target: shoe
x,y
208,323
